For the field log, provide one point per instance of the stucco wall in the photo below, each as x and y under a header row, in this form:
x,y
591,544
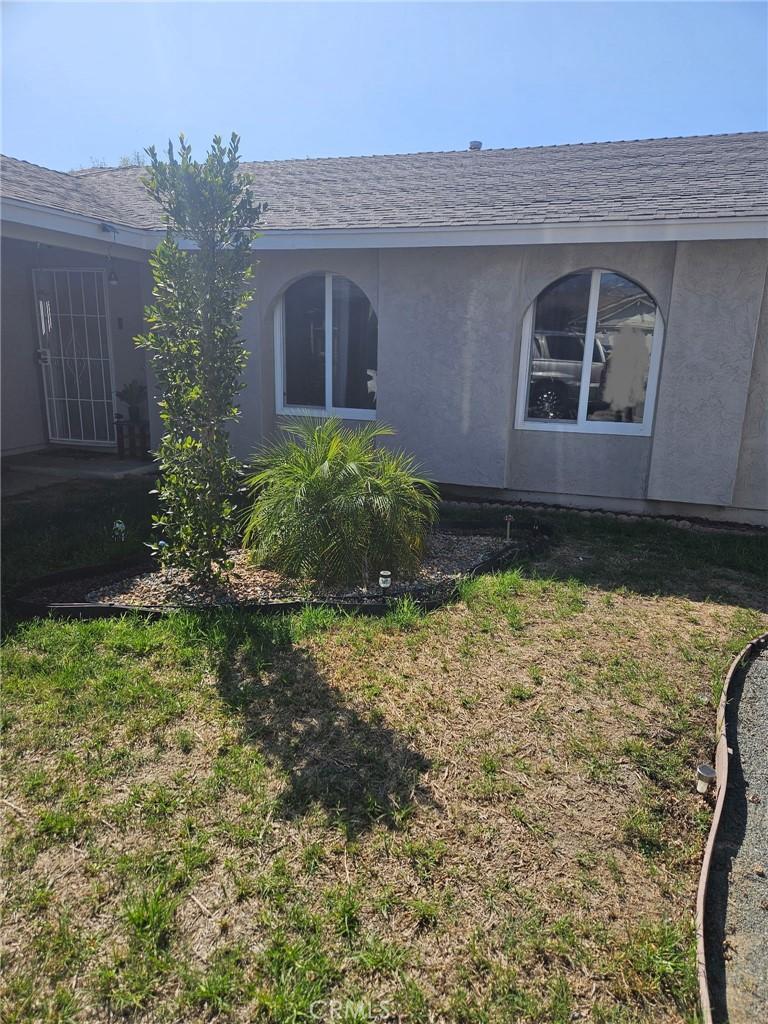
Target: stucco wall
x,y
717,293
444,366
23,411
450,323
23,419
751,490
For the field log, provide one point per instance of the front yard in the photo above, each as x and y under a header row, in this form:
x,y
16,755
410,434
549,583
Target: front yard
x,y
485,814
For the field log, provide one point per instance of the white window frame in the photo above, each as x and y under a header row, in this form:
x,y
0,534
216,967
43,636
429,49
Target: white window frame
x,y
581,425
317,411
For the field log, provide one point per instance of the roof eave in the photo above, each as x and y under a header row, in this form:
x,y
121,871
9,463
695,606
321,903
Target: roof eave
x,y
688,229
24,213
63,222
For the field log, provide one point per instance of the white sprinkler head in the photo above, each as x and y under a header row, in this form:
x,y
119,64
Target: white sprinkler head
x,y
706,776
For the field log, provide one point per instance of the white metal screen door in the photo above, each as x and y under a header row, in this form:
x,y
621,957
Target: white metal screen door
x,y
75,355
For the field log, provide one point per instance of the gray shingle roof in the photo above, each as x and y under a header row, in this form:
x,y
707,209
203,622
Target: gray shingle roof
x,y
705,176
22,180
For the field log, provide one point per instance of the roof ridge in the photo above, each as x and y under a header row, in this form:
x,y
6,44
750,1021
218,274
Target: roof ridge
x,y
83,172
80,172
40,167
93,171
506,149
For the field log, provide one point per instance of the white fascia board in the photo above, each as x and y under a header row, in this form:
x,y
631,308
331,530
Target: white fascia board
x,y
34,215
46,218
527,234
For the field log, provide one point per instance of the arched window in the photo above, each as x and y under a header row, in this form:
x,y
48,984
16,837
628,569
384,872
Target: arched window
x,y
326,336
590,356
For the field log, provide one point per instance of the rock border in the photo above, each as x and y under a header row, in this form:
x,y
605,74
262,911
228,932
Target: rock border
x,y
23,605
722,760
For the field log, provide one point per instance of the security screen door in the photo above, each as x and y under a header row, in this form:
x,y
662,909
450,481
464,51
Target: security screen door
x,y
74,356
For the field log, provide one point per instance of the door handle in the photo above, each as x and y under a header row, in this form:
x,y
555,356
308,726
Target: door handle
x,y
43,356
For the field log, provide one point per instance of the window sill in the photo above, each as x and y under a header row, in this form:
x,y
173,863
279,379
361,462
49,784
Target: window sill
x,y
563,427
315,412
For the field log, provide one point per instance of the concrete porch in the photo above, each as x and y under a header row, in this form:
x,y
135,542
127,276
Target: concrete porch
x,y
21,473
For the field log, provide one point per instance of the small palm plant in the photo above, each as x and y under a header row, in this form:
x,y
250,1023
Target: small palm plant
x,y
330,505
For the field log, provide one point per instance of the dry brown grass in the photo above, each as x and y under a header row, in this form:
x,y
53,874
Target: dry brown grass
x,y
481,815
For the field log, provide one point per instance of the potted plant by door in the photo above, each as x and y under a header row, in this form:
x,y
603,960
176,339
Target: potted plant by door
x,y
134,395
133,433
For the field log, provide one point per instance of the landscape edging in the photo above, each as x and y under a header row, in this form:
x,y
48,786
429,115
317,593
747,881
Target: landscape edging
x,y
427,599
749,651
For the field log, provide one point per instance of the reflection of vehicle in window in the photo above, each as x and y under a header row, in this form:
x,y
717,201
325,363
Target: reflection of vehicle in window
x,y
556,375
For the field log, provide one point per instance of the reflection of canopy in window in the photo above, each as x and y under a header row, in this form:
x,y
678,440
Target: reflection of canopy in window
x,y
617,323
313,309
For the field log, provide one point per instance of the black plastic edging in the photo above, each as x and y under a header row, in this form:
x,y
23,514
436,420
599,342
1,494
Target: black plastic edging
x,y
24,606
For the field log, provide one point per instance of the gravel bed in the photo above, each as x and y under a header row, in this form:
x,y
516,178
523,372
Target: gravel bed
x,y
76,589
740,879
449,556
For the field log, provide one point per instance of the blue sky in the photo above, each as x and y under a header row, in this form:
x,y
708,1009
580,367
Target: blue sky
x,y
94,81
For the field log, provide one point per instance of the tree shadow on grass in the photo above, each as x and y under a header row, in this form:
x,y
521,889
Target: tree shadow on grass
x,y
359,770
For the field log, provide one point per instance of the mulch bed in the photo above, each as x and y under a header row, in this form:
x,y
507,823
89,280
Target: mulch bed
x,y
451,555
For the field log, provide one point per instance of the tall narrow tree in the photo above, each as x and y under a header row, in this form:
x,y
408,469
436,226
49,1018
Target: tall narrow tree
x,y
201,270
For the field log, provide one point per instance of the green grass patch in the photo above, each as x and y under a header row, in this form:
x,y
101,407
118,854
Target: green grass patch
x,y
243,818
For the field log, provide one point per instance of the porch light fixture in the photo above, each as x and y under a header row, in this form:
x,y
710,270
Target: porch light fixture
x,y
706,776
